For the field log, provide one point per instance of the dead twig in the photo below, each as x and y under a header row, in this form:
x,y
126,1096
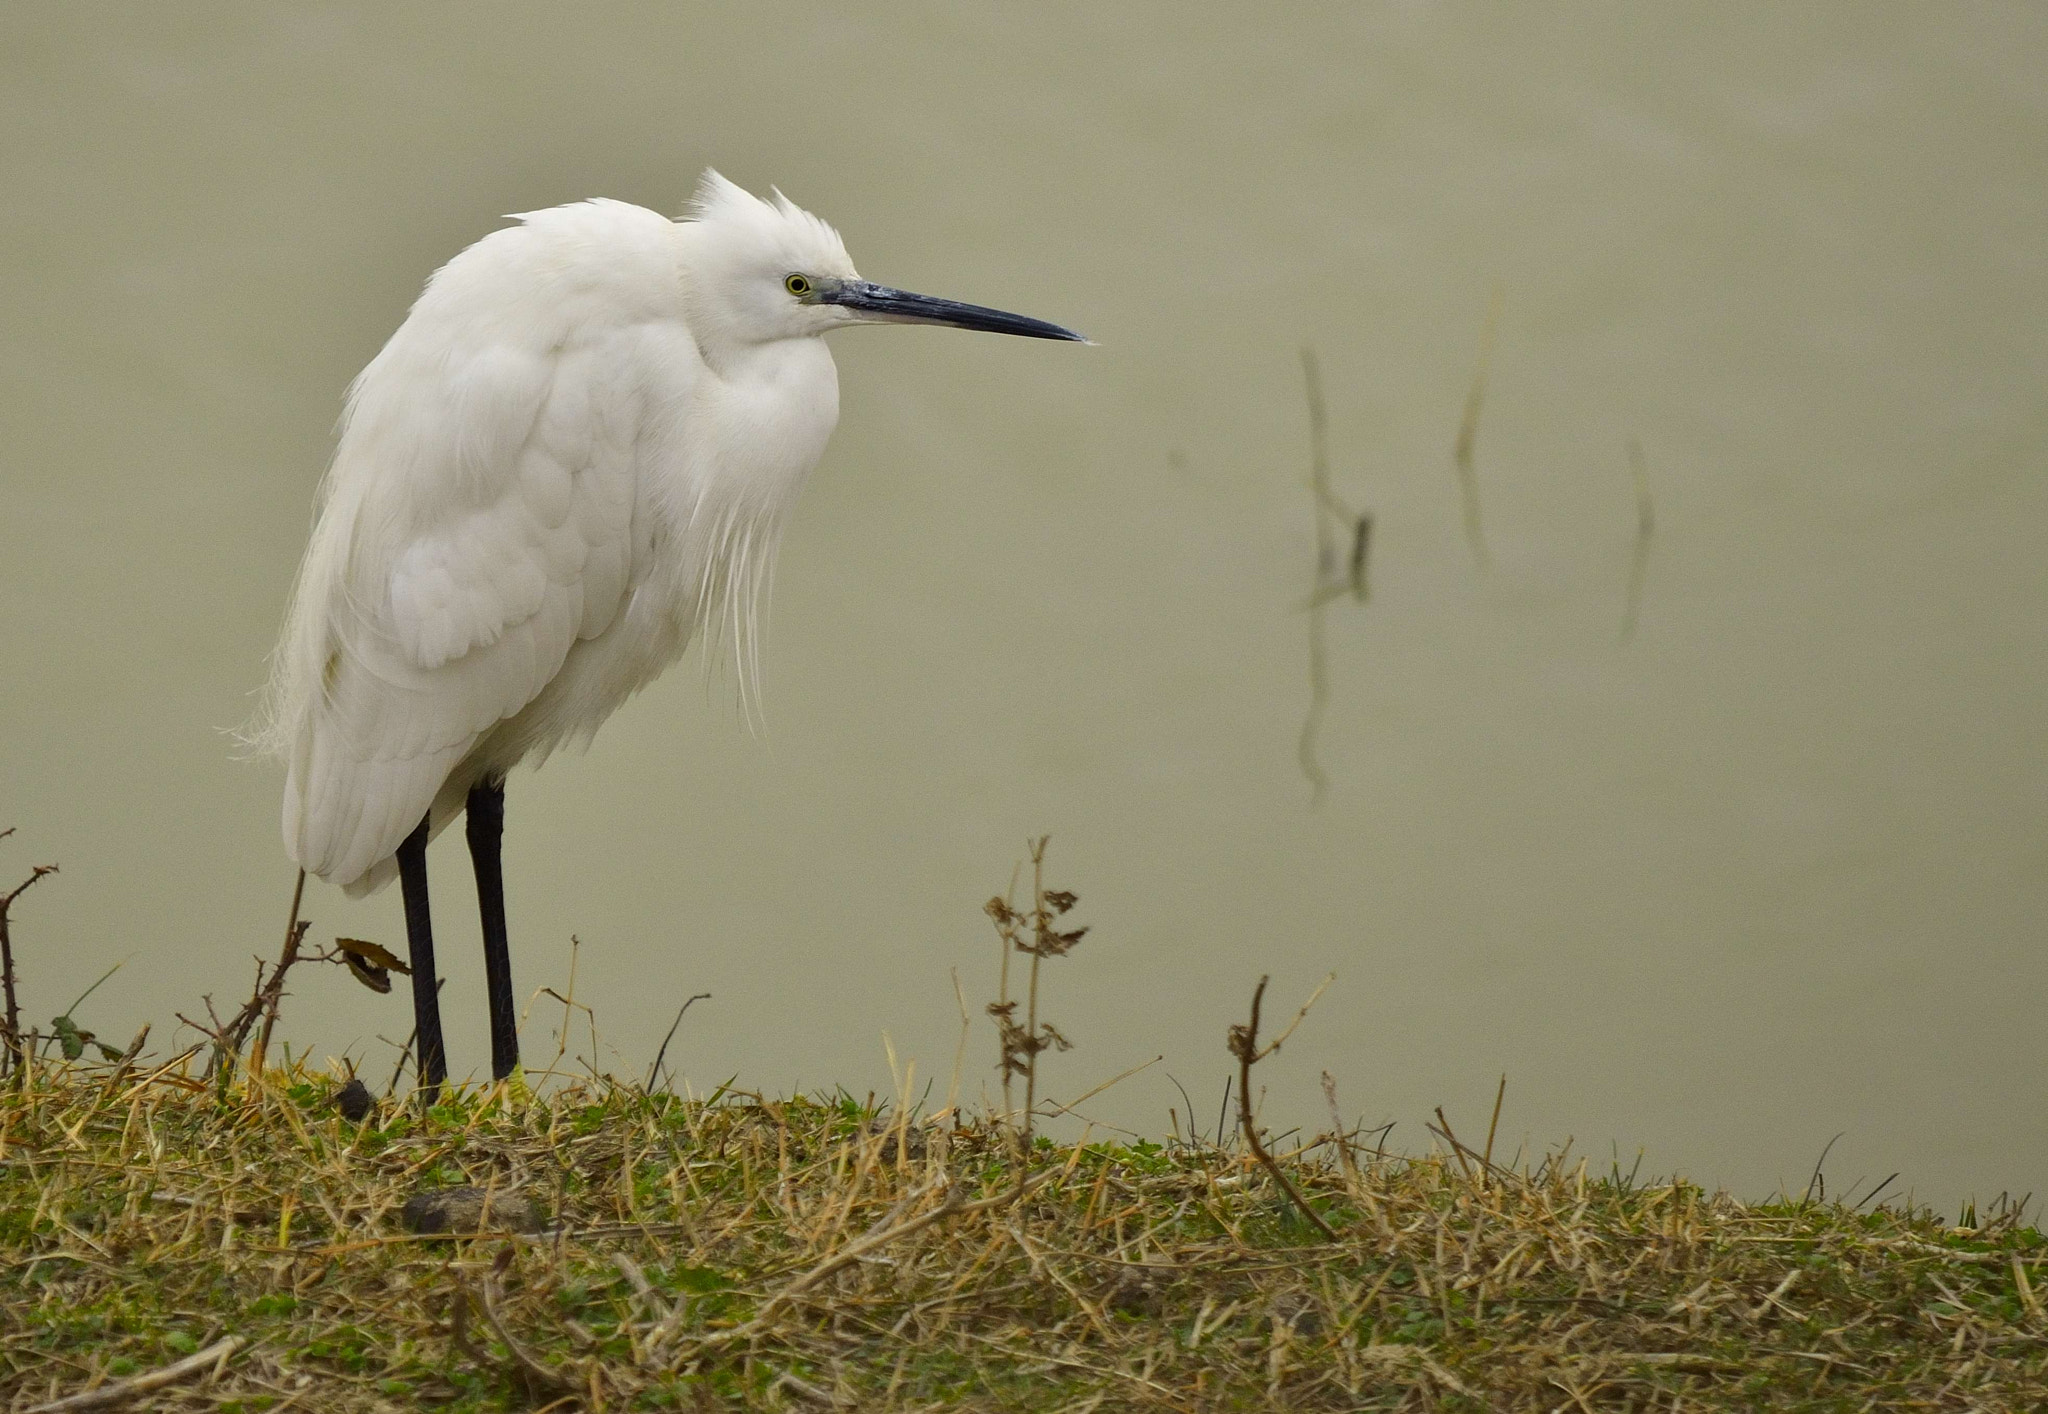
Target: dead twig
x,y
1244,1044
14,1059
1459,1149
121,1391
229,1036
1486,1159
654,1071
126,1063
570,1006
1031,931
294,934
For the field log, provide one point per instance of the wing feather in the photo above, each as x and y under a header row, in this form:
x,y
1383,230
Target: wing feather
x,y
477,522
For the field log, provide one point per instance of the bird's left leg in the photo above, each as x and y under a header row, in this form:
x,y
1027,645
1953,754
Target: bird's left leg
x,y
486,828
432,1058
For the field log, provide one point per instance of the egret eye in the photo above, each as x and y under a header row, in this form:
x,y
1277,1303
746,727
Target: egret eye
x,y
797,285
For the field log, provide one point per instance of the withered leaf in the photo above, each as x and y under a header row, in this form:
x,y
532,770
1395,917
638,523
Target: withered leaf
x,y
369,964
372,953
377,979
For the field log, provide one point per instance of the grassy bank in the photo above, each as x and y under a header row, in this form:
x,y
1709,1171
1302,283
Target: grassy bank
x,y
748,1253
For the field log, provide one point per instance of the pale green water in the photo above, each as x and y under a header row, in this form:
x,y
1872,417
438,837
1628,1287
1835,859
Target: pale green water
x,y
1775,868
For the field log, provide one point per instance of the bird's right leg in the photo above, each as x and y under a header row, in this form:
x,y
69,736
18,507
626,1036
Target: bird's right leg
x,y
486,825
432,1063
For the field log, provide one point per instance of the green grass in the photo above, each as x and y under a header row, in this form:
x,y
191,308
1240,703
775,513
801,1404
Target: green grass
x,y
145,1217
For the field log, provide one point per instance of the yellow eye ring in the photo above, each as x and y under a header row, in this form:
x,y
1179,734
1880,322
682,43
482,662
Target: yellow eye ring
x,y
797,285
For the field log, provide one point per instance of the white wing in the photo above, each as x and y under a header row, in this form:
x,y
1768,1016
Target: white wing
x,y
477,521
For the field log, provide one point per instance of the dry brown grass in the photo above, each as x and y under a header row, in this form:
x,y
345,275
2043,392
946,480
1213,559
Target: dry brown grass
x,y
739,1252
208,1233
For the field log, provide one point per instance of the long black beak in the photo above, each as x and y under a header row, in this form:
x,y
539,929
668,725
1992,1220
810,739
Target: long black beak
x,y
879,302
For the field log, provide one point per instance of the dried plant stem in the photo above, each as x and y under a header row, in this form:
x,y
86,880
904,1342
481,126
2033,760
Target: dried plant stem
x,y
654,1071
15,1058
1458,1147
1486,1159
121,1391
1035,931
294,934
959,1048
1244,1044
1002,1009
1042,921
766,1248
767,1236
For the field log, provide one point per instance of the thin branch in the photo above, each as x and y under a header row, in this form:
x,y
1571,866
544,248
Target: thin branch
x,y
1299,1016
404,1055
1031,1004
570,1006
654,1071
1458,1148
959,1048
294,934
1244,1044
14,1059
1067,1106
1031,931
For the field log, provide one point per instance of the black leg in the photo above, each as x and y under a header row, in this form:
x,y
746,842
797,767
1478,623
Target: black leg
x,y
431,1057
486,829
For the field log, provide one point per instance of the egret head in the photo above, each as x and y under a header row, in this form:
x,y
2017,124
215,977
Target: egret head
x,y
761,271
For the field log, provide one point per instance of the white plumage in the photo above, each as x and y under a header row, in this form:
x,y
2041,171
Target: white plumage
x,y
574,455
570,457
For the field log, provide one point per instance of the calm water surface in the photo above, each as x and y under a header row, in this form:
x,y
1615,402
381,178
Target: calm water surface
x,y
1773,868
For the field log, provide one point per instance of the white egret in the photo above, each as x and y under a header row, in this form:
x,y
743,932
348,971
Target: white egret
x,y
576,452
